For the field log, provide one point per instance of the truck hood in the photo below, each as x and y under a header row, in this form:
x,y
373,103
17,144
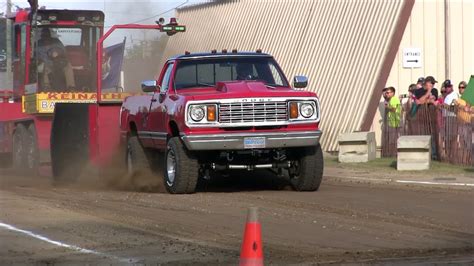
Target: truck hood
x,y
242,89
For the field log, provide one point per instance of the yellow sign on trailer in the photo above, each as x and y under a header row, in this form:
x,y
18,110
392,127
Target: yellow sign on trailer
x,y
43,103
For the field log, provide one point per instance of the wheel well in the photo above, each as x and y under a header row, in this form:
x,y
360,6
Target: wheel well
x,y
133,129
25,123
173,129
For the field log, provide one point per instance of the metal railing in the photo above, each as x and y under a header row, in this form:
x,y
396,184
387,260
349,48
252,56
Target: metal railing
x,y
451,129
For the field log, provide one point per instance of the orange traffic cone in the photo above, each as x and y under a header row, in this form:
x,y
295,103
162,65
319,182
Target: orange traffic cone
x,y
251,253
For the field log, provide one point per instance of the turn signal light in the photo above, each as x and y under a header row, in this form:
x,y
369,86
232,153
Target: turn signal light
x,y
211,113
293,110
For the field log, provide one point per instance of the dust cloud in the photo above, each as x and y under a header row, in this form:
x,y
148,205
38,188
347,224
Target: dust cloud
x,y
113,177
85,176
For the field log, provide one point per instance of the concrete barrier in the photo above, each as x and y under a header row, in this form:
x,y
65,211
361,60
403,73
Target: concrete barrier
x,y
413,153
357,147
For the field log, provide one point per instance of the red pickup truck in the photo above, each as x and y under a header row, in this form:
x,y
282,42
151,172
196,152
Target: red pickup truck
x,y
217,111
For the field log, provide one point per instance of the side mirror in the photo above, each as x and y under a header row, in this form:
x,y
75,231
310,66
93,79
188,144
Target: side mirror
x,y
149,86
300,81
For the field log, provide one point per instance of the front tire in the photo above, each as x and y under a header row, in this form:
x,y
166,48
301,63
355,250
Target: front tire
x,y
309,170
181,168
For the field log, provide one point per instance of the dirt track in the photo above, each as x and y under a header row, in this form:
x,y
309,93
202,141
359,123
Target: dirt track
x,y
343,222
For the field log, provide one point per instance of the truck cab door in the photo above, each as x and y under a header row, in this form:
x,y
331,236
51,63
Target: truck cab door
x,y
157,119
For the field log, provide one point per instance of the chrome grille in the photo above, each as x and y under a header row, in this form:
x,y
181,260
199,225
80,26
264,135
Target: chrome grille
x,y
254,112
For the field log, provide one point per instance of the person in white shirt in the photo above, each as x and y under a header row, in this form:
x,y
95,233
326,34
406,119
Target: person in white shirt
x,y
449,101
451,96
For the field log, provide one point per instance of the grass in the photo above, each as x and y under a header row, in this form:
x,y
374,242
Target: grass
x,y
389,165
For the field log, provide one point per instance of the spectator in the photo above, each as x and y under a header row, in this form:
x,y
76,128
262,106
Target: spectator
x,y
434,91
461,103
393,107
462,86
440,100
412,88
449,113
384,95
411,92
407,99
451,95
427,94
450,99
419,83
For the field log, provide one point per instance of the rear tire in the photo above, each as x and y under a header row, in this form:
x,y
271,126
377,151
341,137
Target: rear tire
x,y
139,169
181,168
19,148
32,151
309,173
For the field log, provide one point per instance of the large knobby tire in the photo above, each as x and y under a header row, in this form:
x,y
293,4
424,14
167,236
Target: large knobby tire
x,y
181,168
20,146
32,150
139,169
309,172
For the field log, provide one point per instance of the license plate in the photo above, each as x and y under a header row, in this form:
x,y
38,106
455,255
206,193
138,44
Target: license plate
x,y
255,142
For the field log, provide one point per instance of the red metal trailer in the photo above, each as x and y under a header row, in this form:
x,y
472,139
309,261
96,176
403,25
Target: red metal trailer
x,y
43,120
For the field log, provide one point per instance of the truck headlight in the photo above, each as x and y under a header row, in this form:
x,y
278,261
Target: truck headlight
x,y
303,110
306,110
197,112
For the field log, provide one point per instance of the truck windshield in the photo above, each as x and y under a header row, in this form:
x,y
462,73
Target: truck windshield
x,y
207,72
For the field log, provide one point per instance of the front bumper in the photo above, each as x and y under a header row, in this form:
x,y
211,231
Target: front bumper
x,y
239,141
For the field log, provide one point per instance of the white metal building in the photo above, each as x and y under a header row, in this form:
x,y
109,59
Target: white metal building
x,y
349,49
